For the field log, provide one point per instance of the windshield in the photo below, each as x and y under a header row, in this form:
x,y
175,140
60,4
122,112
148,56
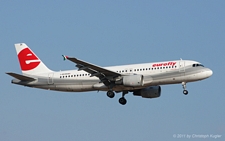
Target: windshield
x,y
197,65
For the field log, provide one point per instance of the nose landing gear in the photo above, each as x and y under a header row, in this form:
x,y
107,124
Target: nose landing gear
x,y
185,92
184,87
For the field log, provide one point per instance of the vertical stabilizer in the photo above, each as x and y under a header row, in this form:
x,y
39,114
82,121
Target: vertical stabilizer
x,y
29,62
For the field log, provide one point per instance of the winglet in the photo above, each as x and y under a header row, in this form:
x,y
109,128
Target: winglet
x,y
64,57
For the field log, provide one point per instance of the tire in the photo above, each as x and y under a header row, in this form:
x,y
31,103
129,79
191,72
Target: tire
x,y
110,94
185,92
122,101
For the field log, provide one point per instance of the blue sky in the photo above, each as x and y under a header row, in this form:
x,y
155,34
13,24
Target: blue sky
x,y
112,33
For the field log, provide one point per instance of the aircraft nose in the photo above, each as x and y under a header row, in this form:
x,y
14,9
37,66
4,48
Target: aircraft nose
x,y
209,73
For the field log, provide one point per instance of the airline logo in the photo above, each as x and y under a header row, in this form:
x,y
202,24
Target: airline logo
x,y
28,60
164,64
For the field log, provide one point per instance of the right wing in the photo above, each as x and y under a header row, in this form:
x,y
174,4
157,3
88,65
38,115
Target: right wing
x,y
106,76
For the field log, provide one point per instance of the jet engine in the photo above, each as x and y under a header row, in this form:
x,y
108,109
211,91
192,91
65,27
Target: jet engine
x,y
131,80
149,92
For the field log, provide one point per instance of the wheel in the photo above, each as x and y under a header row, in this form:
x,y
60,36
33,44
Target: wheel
x,y
110,94
122,101
185,92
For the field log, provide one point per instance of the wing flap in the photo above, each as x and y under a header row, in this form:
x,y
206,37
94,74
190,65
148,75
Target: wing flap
x,y
20,77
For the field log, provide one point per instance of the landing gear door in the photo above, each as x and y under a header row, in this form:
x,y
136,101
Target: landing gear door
x,y
50,78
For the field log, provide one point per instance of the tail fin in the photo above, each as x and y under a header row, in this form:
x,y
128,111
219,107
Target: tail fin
x,y
29,62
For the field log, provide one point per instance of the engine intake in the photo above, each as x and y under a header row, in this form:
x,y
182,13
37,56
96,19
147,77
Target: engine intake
x,y
149,92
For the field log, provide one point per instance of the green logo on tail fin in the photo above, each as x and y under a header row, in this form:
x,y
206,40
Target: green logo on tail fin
x,y
64,57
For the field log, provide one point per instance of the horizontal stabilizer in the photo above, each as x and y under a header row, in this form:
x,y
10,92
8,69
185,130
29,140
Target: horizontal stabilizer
x,y
20,77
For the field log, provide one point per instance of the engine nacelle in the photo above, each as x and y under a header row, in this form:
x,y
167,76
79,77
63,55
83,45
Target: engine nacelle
x,y
132,80
149,92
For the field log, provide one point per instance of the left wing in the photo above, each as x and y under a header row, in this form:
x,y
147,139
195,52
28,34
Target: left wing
x,y
106,76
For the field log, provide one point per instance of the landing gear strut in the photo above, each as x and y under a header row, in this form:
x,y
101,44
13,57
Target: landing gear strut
x,y
110,94
122,100
184,87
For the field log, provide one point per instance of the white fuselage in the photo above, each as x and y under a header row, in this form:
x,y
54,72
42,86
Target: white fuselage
x,y
159,73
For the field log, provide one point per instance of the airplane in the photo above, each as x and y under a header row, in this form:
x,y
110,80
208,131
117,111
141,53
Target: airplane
x,y
140,79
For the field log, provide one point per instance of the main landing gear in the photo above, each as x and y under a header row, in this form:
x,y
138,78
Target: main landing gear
x,y
184,87
110,94
122,100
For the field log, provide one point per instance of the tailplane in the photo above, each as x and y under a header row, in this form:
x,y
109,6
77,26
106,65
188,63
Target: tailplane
x,y
20,77
29,62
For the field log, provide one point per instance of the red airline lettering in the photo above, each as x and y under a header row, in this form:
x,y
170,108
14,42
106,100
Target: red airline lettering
x,y
164,64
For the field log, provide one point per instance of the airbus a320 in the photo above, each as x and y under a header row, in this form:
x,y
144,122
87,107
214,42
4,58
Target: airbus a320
x,y
140,79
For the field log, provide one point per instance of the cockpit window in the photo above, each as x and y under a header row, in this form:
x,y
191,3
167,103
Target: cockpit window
x,y
197,65
200,65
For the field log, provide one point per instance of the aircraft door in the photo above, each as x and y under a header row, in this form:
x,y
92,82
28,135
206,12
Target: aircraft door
x,y
182,66
50,78
182,69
